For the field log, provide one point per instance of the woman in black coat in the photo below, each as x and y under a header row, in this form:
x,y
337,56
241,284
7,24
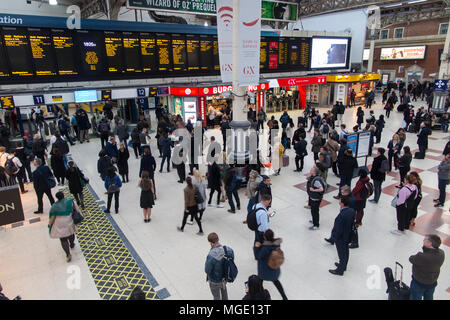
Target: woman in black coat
x,y
58,167
122,162
214,182
103,164
360,117
404,164
76,181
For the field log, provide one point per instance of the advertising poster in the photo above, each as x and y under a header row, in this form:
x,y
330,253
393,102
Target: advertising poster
x,y
403,53
280,11
352,140
225,38
363,144
11,209
329,53
178,105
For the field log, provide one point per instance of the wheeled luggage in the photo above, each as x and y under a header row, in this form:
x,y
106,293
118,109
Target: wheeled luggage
x,y
397,289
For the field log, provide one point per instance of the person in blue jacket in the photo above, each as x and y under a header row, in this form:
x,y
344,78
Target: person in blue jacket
x,y
341,234
284,119
112,186
262,254
111,148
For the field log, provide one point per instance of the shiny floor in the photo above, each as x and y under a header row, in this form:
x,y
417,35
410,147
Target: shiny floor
x,y
33,265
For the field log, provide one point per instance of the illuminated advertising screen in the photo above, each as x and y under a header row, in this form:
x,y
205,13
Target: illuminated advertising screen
x,y
330,53
403,53
85,96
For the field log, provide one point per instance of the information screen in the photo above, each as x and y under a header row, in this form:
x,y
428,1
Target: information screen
x,y
305,54
329,53
273,54
114,51
7,102
4,70
206,53
216,62
85,96
90,52
106,95
193,52
283,53
263,61
42,52
18,51
148,52
131,52
64,52
179,53
163,51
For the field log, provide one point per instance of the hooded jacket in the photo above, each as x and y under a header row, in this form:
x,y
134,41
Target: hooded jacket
x,y
262,254
214,263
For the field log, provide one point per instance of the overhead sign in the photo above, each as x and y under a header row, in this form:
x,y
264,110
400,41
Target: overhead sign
x,y
206,91
440,85
141,92
225,38
270,10
292,82
11,209
39,99
366,54
403,53
354,78
7,102
106,95
249,42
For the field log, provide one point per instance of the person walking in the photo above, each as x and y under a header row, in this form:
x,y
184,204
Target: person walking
x,y
379,124
190,206
214,267
252,186
270,257
14,168
378,171
405,204
361,194
111,149
136,142
122,133
426,267
300,153
232,184
404,165
214,183
352,98
64,127
255,290
261,119
25,156
58,167
43,181
394,147
39,147
122,161
147,192
112,186
341,235
443,179
200,184
60,223
315,188
76,181
166,147
181,167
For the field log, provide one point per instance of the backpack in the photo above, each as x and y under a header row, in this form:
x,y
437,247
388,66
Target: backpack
x,y
103,128
411,201
62,145
229,268
276,259
11,167
113,186
384,166
198,196
367,191
326,128
62,126
252,222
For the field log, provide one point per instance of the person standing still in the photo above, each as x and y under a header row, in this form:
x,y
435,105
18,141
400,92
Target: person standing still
x,y
443,178
315,188
112,186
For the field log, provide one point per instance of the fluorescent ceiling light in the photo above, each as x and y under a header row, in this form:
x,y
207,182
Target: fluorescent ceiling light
x,y
53,2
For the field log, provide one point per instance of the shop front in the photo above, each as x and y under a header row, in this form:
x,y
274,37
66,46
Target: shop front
x,y
341,86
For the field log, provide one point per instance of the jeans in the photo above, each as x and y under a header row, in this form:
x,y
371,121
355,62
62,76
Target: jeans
x,y
66,134
116,200
315,204
84,135
219,290
103,139
40,194
230,194
442,185
419,290
444,127
165,157
250,205
377,189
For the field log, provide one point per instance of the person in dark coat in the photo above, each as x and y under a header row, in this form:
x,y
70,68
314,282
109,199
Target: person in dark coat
x,y
83,124
262,254
422,139
377,175
104,131
136,141
300,152
166,147
122,133
111,148
41,185
404,164
181,168
214,183
346,165
360,201
341,235
39,147
103,164
58,167
122,162
76,181
379,124
360,117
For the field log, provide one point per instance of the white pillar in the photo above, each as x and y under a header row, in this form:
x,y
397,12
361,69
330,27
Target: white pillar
x,y
371,51
444,69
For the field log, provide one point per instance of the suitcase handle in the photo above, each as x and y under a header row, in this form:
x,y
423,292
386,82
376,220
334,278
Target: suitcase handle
x,y
401,272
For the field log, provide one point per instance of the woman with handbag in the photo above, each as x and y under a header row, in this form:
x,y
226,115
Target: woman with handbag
x,y
77,181
191,200
61,225
147,191
405,203
200,184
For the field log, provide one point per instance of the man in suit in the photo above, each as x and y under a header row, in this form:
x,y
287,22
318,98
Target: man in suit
x,y
41,183
341,234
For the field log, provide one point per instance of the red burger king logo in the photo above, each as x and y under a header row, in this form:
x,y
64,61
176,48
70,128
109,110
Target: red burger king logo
x,y
187,91
205,90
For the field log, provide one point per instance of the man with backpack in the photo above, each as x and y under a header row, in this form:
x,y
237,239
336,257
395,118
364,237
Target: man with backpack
x,y
315,188
13,167
261,119
63,128
219,267
103,130
378,171
258,218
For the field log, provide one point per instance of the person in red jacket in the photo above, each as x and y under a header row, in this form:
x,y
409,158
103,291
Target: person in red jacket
x,y
360,193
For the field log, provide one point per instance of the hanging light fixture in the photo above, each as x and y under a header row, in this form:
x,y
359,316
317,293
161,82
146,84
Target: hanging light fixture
x,y
53,2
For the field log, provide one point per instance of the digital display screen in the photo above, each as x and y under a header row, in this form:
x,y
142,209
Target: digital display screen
x,y
179,53
153,91
273,54
163,51
131,52
7,102
42,52
305,53
263,62
114,51
216,62
90,52
283,53
403,53
206,53
106,95
148,52
329,53
4,70
64,51
193,52
85,96
18,50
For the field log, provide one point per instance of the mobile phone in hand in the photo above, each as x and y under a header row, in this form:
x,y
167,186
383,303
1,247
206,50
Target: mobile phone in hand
x,y
273,213
246,284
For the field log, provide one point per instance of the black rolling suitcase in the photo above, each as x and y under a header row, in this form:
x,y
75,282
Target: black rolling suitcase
x,y
396,289
419,155
412,128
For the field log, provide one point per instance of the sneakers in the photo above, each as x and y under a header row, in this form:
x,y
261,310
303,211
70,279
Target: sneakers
x,y
396,232
220,205
313,228
200,233
210,205
179,229
190,222
231,211
438,205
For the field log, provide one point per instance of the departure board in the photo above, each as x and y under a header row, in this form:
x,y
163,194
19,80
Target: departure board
x,y
305,53
263,61
114,51
90,52
148,52
193,52
294,52
131,52
206,53
4,69
64,52
283,53
18,51
42,52
7,102
273,54
179,52
216,62
163,51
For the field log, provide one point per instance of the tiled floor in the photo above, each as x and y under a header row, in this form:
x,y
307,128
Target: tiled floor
x,y
33,265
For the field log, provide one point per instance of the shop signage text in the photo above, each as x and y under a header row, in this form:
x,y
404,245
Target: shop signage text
x,y
292,82
206,91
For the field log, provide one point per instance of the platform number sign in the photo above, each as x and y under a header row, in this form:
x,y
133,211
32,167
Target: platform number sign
x,y
141,92
39,100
